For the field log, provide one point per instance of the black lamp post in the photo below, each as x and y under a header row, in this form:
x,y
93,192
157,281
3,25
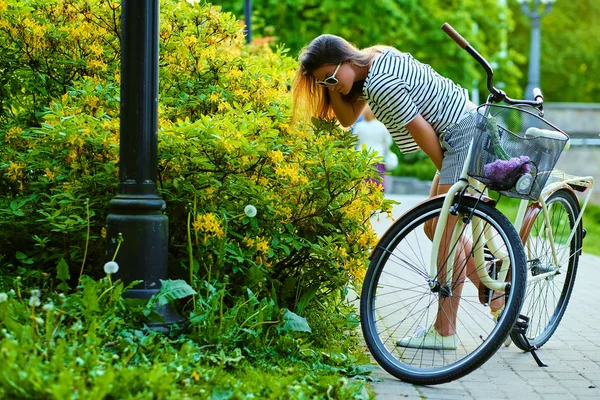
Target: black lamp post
x,y
533,9
248,19
137,211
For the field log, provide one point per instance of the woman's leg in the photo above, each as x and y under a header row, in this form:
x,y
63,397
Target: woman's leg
x,y
445,323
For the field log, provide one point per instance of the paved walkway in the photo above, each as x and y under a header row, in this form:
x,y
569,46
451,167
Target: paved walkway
x,y
572,355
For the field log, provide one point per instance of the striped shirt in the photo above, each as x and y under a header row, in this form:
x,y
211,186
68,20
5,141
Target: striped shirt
x,y
398,88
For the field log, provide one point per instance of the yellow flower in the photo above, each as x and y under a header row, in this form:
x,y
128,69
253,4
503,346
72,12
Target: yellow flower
x,y
241,93
15,171
97,64
223,106
262,245
195,376
292,173
235,73
49,174
12,133
276,156
190,40
96,50
103,233
209,225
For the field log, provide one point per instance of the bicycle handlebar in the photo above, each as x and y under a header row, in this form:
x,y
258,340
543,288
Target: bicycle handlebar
x,y
455,35
497,95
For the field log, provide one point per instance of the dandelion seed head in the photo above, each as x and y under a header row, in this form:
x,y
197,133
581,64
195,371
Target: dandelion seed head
x,y
111,267
250,211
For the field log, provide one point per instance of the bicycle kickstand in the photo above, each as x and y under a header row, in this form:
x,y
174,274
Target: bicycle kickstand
x,y
520,328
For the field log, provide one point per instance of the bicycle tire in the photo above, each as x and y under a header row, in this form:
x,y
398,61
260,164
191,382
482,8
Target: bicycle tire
x,y
381,340
546,300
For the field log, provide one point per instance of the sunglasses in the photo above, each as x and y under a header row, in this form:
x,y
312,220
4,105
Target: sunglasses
x,y
330,80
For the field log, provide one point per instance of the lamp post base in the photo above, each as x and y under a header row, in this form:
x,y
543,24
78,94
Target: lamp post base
x,y
143,253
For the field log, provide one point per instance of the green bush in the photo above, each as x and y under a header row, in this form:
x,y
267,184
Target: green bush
x,y
89,345
225,142
226,148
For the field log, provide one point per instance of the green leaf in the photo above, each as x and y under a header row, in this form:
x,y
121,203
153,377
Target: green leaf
x,y
307,297
293,322
252,297
62,270
173,290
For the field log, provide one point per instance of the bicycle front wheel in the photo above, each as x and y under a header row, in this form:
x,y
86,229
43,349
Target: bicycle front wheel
x,y
546,299
398,301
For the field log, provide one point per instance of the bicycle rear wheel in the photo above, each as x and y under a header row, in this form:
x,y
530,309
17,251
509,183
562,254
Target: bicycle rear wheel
x,y
397,299
546,299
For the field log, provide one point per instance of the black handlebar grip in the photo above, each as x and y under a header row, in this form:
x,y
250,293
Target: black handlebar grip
x,y
537,92
455,35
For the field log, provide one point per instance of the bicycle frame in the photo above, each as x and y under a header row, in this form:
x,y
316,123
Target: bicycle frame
x,y
494,284
561,181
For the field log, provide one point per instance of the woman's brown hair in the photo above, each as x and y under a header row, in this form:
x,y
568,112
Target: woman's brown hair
x,y
311,99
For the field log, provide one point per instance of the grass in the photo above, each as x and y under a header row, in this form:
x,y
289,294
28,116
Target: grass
x,y
591,222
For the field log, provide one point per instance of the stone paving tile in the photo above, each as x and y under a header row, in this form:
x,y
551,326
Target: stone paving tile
x,y
562,396
572,355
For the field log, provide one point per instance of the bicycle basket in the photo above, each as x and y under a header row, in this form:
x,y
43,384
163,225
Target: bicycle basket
x,y
514,150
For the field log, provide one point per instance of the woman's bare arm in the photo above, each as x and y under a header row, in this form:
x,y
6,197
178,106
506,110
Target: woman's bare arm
x,y
346,113
426,139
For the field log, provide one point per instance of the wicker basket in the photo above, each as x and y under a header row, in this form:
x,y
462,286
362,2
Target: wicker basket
x,y
514,150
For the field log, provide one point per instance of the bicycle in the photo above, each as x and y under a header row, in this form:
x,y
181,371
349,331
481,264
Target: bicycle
x,y
416,272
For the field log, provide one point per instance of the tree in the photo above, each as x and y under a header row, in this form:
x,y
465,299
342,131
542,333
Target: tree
x,y
409,25
570,47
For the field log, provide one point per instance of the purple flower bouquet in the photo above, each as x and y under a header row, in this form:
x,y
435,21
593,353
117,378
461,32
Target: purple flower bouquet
x,y
504,172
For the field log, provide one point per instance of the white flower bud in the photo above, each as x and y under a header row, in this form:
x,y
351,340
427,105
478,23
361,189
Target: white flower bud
x,y
34,301
250,211
3,297
111,267
77,326
49,306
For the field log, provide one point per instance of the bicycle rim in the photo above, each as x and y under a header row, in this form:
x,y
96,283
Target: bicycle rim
x,y
546,299
397,301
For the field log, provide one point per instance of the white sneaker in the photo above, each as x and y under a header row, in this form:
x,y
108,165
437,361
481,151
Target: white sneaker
x,y
428,339
496,315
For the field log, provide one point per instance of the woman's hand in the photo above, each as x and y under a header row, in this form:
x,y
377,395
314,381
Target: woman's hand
x,y
346,113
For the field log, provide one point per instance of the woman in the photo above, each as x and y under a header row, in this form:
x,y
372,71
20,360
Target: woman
x,y
417,105
374,135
